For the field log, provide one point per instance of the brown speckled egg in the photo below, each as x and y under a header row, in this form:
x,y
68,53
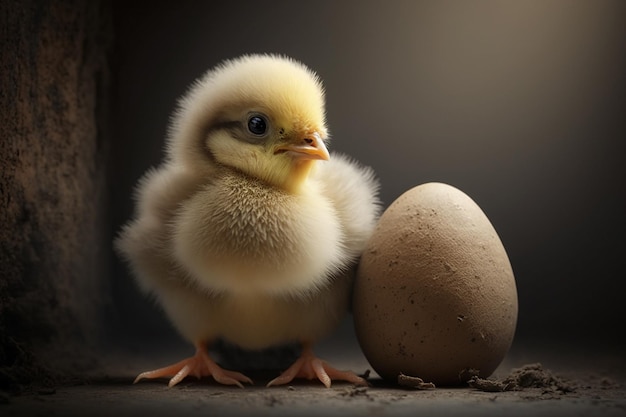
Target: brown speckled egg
x,y
435,294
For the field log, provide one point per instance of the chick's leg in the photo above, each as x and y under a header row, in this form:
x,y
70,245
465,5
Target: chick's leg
x,y
199,365
310,367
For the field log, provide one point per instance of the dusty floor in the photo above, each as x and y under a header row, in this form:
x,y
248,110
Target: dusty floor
x,y
597,375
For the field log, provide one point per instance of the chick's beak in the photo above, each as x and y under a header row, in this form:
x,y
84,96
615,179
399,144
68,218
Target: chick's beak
x,y
310,147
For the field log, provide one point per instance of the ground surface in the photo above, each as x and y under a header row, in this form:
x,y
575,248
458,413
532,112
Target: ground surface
x,y
597,376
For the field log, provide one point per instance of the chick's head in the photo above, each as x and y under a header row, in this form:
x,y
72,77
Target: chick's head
x,y
262,115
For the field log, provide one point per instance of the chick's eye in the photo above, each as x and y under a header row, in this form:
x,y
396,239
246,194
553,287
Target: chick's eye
x,y
257,125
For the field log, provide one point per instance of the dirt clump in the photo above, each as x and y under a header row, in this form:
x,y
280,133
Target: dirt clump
x,y
414,382
527,376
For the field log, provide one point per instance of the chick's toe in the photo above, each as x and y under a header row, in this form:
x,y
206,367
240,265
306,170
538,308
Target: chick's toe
x,y
200,365
310,367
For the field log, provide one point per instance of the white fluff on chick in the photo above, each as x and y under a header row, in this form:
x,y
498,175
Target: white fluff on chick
x,y
250,231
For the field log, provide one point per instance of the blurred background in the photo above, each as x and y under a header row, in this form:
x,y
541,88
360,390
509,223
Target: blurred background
x,y
520,104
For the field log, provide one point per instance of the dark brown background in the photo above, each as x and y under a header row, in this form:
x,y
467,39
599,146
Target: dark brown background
x,y
519,104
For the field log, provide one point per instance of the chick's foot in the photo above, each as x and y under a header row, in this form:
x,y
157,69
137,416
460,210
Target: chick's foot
x,y
199,365
311,367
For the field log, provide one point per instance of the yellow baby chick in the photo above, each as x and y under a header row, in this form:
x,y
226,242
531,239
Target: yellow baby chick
x,y
250,231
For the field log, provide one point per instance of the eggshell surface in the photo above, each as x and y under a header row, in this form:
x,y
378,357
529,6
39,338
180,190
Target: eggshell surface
x,y
435,295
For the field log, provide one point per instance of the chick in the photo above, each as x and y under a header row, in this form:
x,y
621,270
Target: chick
x,y
249,231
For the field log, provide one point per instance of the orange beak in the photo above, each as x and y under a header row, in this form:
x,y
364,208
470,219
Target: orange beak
x,y
310,147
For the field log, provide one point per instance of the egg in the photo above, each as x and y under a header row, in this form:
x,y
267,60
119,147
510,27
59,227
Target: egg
x,y
435,295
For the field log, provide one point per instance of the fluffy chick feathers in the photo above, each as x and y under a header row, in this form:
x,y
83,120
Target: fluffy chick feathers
x,y
235,239
288,91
